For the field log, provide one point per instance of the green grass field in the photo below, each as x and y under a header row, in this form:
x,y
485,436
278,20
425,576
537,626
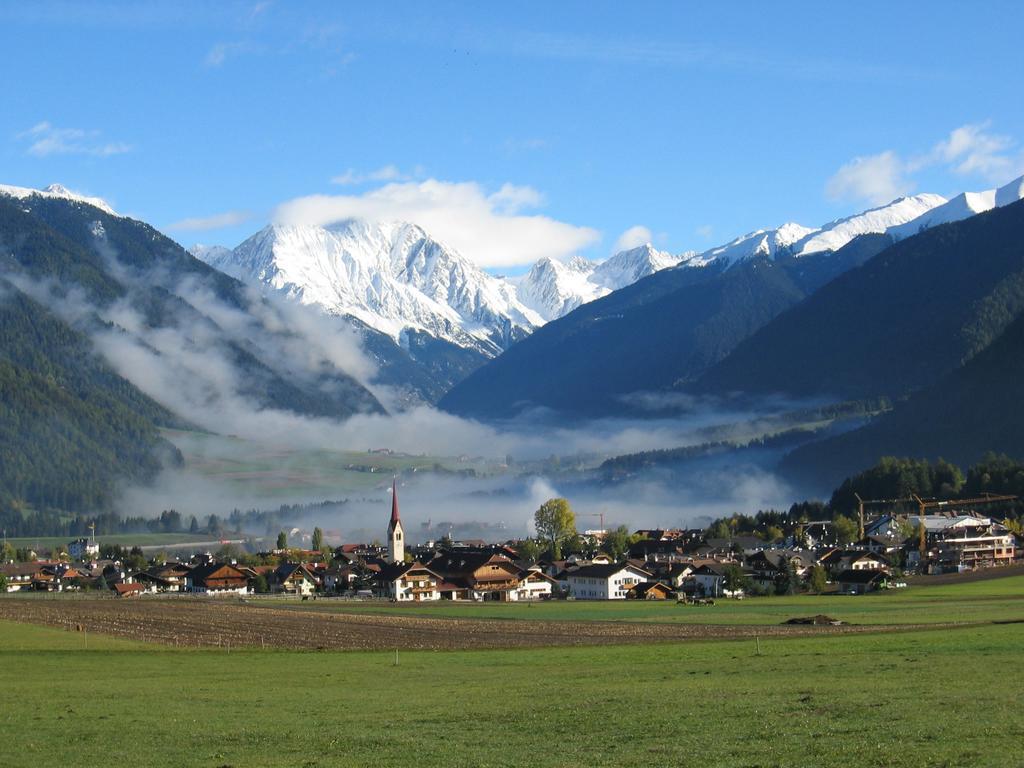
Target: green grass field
x,y
994,600
273,471
122,539
948,697
933,698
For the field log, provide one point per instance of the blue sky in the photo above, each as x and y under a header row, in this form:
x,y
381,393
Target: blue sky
x,y
515,129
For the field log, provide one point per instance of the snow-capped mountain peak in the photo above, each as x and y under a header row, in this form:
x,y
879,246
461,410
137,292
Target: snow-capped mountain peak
x,y
836,234
962,206
209,253
1010,193
626,267
57,191
553,288
392,276
762,242
796,240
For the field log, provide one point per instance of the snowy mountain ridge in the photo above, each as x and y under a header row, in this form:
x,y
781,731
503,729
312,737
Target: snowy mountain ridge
x,y
961,207
554,288
392,276
57,191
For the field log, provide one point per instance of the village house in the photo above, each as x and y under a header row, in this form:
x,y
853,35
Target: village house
x,y
217,579
768,566
129,590
604,582
293,579
409,582
709,580
649,590
478,575
339,578
20,576
861,581
169,577
83,549
966,542
838,560
534,584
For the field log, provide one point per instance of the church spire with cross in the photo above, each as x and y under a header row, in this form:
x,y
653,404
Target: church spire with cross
x,y
396,535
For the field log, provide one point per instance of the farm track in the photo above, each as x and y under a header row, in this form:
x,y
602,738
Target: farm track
x,y
215,623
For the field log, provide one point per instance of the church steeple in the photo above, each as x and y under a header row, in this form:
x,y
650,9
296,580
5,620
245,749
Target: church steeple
x,y
396,535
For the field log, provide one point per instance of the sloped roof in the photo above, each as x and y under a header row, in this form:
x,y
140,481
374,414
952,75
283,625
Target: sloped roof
x,y
599,571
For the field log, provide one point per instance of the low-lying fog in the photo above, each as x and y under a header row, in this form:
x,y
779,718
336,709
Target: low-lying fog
x,y
182,365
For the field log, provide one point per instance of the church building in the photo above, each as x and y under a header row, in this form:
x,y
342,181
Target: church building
x,y
396,535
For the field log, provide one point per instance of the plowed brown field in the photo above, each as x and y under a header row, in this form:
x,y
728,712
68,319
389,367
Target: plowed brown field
x,y
213,623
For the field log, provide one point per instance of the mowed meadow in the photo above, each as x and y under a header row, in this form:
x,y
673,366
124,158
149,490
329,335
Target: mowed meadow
x,y
946,696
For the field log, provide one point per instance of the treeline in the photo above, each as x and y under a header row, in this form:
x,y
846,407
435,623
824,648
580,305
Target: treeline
x,y
22,523
667,457
892,478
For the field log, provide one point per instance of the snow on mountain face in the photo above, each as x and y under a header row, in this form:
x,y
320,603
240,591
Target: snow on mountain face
x,y
962,206
390,276
795,240
57,191
554,288
626,267
210,253
1010,193
838,233
763,242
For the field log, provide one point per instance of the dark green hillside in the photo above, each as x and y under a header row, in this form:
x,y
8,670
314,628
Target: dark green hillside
x,y
906,317
76,245
649,336
973,410
655,335
70,428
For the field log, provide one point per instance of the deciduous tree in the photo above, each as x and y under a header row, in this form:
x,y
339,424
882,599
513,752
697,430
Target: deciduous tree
x,y
555,523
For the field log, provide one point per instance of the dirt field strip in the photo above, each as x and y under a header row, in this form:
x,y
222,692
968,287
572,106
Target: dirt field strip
x,y
213,623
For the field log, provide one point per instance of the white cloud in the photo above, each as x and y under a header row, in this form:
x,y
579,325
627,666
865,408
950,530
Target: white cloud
x,y
633,237
488,228
46,139
705,231
216,221
973,151
970,150
875,178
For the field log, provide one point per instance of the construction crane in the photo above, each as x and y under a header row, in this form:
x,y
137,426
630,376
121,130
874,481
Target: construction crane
x,y
923,506
861,503
599,515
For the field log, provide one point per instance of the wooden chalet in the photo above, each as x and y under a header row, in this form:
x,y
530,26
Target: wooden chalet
x,y
649,590
217,579
477,575
129,590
